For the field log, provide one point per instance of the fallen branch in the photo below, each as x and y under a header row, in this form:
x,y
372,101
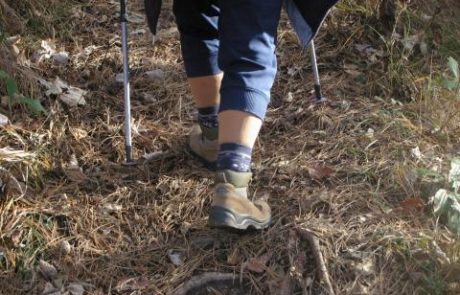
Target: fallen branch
x,y
324,274
203,280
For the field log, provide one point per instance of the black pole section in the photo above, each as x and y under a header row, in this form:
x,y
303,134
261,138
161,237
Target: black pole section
x,y
318,93
123,16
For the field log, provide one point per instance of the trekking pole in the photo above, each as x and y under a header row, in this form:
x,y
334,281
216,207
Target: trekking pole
x,y
127,92
318,94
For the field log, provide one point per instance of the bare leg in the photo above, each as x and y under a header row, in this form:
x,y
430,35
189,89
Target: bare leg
x,y
238,127
203,138
205,90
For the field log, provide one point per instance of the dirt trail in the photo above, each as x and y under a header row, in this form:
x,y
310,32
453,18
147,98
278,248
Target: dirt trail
x,y
341,170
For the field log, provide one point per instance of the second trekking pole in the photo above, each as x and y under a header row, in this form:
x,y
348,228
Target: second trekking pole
x,y
126,86
318,93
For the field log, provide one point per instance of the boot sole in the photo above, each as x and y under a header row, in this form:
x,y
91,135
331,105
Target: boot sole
x,y
212,166
220,217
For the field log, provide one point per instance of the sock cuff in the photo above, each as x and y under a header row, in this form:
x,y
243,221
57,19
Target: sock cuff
x,y
235,148
212,110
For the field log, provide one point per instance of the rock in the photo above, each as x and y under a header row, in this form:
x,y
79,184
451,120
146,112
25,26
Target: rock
x,y
4,120
48,271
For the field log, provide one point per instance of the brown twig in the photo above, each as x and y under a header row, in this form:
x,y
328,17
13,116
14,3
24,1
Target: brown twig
x,y
324,274
203,280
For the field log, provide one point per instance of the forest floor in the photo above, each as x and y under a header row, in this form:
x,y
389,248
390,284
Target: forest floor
x,y
358,173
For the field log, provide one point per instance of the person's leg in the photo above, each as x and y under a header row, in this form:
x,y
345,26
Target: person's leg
x,y
197,24
239,127
247,32
206,90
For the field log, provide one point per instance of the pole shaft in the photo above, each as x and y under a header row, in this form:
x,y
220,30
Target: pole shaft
x,y
127,90
318,94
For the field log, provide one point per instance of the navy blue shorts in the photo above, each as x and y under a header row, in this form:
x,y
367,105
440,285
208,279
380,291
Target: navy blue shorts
x,y
236,37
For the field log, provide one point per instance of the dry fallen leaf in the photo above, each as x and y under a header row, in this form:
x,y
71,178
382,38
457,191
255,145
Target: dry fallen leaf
x,y
11,155
320,172
16,238
79,133
410,206
258,264
112,208
132,284
234,258
47,49
48,271
366,267
73,171
70,95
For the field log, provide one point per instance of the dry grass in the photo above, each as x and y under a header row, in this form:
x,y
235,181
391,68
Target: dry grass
x,y
106,223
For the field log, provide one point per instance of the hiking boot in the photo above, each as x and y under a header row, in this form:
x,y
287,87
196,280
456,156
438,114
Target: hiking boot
x,y
230,206
203,144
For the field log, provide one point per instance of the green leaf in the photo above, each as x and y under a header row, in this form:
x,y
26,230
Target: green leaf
x,y
4,75
453,66
451,85
428,173
454,174
447,206
34,105
11,88
453,216
440,202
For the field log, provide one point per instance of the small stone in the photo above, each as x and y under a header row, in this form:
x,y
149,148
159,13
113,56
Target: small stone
x,y
156,75
176,258
61,58
49,289
48,271
76,289
289,97
4,120
65,247
149,97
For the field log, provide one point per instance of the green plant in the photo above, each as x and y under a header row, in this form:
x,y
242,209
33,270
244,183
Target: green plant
x,y
446,202
33,105
452,84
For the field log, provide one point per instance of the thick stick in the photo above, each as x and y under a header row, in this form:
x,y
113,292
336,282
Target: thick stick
x,y
324,274
203,280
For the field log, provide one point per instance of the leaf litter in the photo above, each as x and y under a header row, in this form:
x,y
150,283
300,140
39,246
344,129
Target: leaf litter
x,y
122,226
70,95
